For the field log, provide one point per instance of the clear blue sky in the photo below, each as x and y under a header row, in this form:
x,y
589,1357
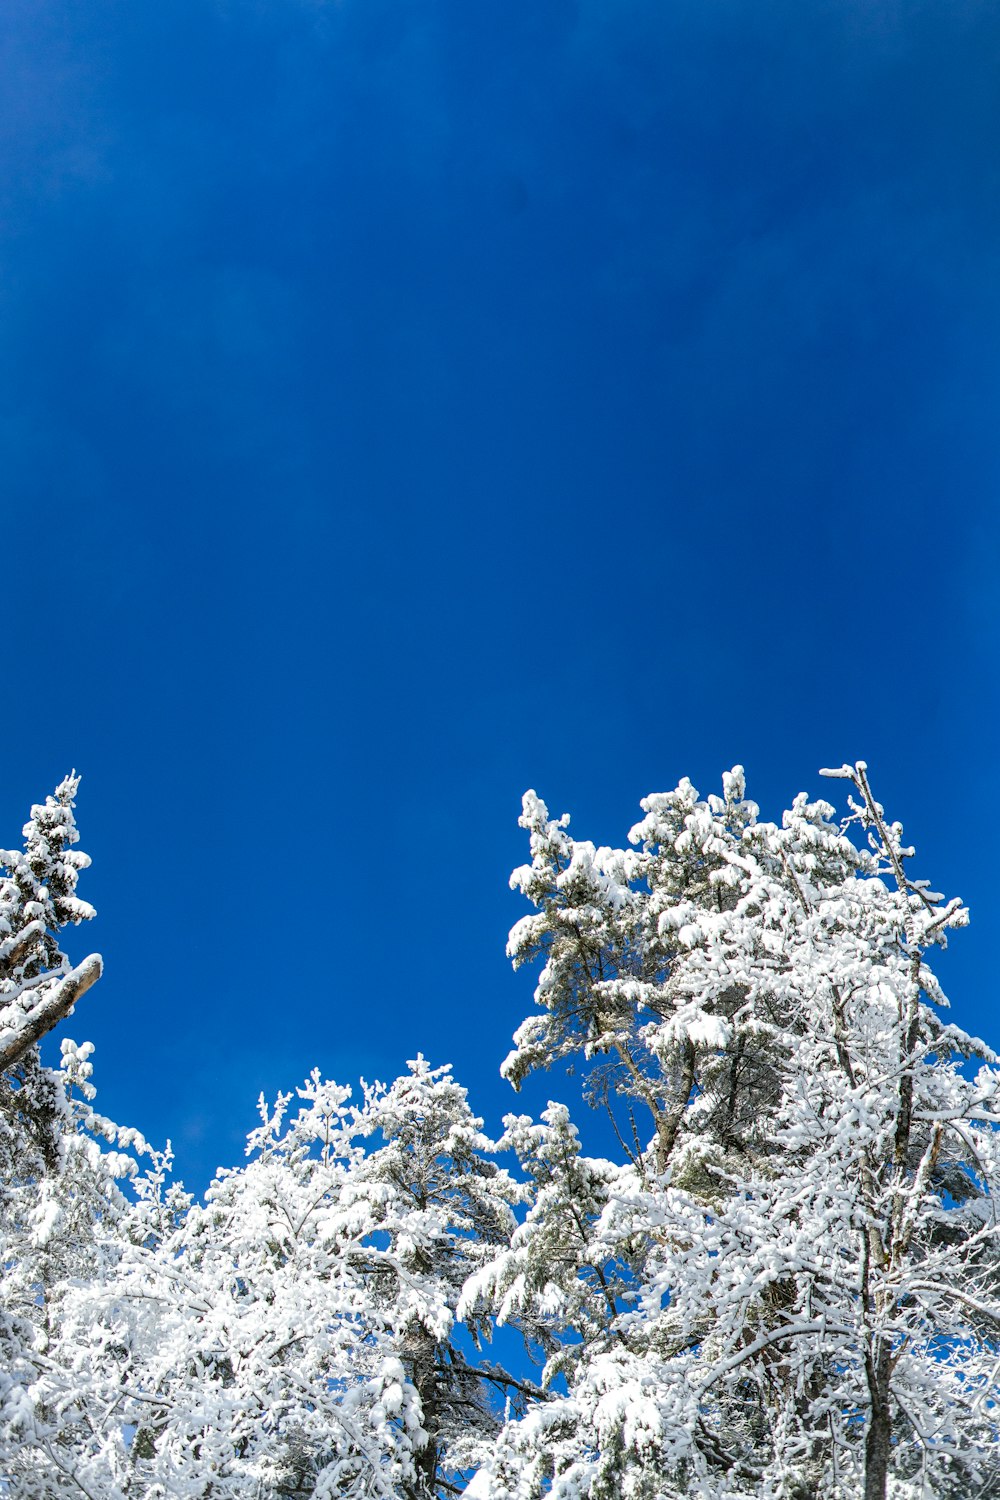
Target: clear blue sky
x,y
405,402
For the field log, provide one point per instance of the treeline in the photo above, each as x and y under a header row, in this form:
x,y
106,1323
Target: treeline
x,y
783,1283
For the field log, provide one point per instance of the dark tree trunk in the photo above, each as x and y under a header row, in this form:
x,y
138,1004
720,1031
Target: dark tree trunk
x,y
879,1437
424,1374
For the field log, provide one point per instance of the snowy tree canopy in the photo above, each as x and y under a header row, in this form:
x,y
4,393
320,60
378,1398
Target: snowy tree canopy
x,y
808,1241
781,1280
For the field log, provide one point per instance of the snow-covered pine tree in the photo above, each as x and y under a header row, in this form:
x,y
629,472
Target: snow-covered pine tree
x,y
560,1280
440,1208
50,1191
808,1301
38,986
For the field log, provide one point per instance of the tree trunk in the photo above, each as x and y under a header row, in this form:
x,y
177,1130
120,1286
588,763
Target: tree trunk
x,y
424,1374
879,1437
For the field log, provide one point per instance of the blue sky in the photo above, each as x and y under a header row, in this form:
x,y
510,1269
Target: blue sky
x,y
405,402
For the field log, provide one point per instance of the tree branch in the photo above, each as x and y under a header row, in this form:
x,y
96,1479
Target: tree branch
x,y
49,1011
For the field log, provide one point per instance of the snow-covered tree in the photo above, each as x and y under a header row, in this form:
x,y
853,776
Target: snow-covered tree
x,y
38,987
64,1233
49,1189
440,1208
807,1283
558,1275
295,1335
236,1349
